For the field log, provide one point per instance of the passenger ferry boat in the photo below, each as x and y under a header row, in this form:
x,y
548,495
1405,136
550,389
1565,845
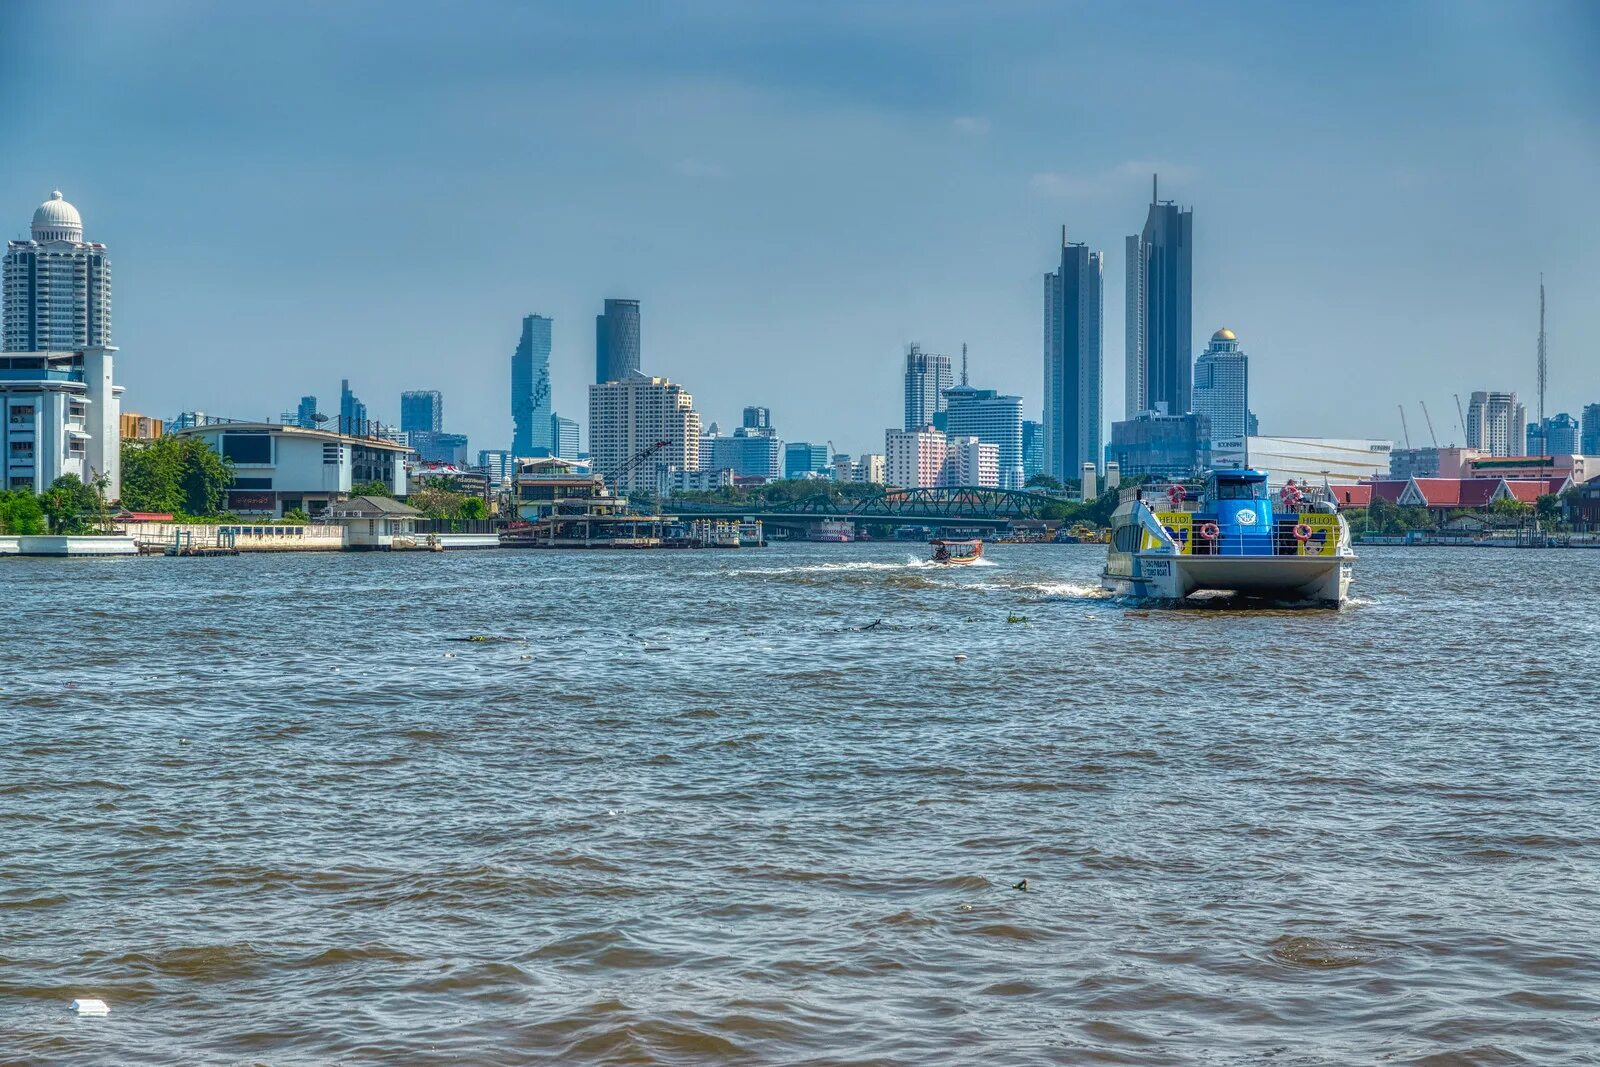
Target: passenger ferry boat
x,y
1234,537
945,551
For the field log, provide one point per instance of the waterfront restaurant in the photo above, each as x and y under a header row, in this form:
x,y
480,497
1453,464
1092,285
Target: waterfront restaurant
x,y
279,468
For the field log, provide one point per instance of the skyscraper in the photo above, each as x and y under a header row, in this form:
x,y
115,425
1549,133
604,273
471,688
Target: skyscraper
x,y
616,341
306,416
564,432
927,378
530,390
352,412
1496,423
422,411
1222,387
1561,436
1589,441
1032,449
629,417
1160,280
57,286
1072,369
757,418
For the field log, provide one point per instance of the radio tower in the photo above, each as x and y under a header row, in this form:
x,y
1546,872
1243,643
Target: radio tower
x,y
1544,445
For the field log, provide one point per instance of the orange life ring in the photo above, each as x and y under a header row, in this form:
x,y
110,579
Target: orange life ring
x,y
1302,532
1209,531
1176,493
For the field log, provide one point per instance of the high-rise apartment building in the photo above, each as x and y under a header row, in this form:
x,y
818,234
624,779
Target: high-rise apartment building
x,y
1073,303
1589,436
57,285
422,411
757,418
305,415
914,459
60,413
1160,351
530,390
748,452
971,461
991,417
1222,387
927,377
632,415
565,433
352,412
616,341
1496,423
498,466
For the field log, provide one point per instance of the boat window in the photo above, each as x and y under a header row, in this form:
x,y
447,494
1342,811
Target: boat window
x,y
1242,491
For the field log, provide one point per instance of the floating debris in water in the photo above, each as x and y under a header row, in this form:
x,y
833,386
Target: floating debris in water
x,y
960,657
1014,618
91,1006
482,639
964,907
1022,885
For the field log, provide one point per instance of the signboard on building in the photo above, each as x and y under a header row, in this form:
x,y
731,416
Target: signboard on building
x,y
238,501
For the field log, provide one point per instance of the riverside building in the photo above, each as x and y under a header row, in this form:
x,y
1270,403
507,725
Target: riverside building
x,y
60,413
914,459
631,415
57,285
279,468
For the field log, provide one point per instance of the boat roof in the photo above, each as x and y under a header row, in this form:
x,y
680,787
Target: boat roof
x,y
1240,474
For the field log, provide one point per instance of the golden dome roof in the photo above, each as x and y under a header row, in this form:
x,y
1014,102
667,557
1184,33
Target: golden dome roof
x,y
1224,334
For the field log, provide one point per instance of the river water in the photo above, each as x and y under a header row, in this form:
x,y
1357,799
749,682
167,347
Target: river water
x,y
754,807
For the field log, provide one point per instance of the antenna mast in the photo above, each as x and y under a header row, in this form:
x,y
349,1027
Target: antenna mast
x,y
963,363
1544,445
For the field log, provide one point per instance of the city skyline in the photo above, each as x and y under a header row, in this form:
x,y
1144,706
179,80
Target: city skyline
x,y
677,211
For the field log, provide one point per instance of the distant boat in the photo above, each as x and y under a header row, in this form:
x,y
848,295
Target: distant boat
x,y
956,551
834,530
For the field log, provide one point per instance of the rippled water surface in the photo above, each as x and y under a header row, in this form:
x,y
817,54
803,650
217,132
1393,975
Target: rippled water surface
x,y
755,807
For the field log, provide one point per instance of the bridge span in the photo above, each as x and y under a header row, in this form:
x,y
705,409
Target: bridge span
x,y
954,506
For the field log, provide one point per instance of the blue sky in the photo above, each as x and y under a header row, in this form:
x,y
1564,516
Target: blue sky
x,y
295,193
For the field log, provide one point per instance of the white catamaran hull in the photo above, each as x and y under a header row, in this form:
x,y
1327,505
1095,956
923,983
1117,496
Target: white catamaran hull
x,y
1159,576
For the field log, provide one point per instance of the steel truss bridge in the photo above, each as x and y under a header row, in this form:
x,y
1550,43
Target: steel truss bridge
x,y
954,506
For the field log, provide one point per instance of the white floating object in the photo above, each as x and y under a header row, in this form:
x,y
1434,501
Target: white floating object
x,y
960,656
91,1007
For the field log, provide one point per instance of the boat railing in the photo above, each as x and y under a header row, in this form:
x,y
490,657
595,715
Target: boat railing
x,y
1284,538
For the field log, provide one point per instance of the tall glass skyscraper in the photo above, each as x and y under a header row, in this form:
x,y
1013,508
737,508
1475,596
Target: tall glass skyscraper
x,y
422,411
352,412
1222,387
1589,441
57,285
1073,304
1160,350
1032,449
532,433
565,433
993,419
616,341
927,377
306,415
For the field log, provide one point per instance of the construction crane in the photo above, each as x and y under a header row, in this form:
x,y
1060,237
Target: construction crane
x,y
1403,428
634,461
1429,418
1462,419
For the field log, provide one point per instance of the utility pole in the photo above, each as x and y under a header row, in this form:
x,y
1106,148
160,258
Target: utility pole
x,y
1544,445
1403,428
1429,418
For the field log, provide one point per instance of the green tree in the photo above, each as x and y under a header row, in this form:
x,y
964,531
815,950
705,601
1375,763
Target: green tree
x,y
179,474
71,506
1509,507
1548,508
372,488
296,515
1044,481
20,512
473,508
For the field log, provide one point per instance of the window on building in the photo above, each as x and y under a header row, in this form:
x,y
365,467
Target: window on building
x,y
253,448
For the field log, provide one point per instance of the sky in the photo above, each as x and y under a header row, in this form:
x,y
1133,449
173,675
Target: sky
x,y
295,193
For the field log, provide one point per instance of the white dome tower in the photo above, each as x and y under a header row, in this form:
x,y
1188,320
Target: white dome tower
x,y
57,220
